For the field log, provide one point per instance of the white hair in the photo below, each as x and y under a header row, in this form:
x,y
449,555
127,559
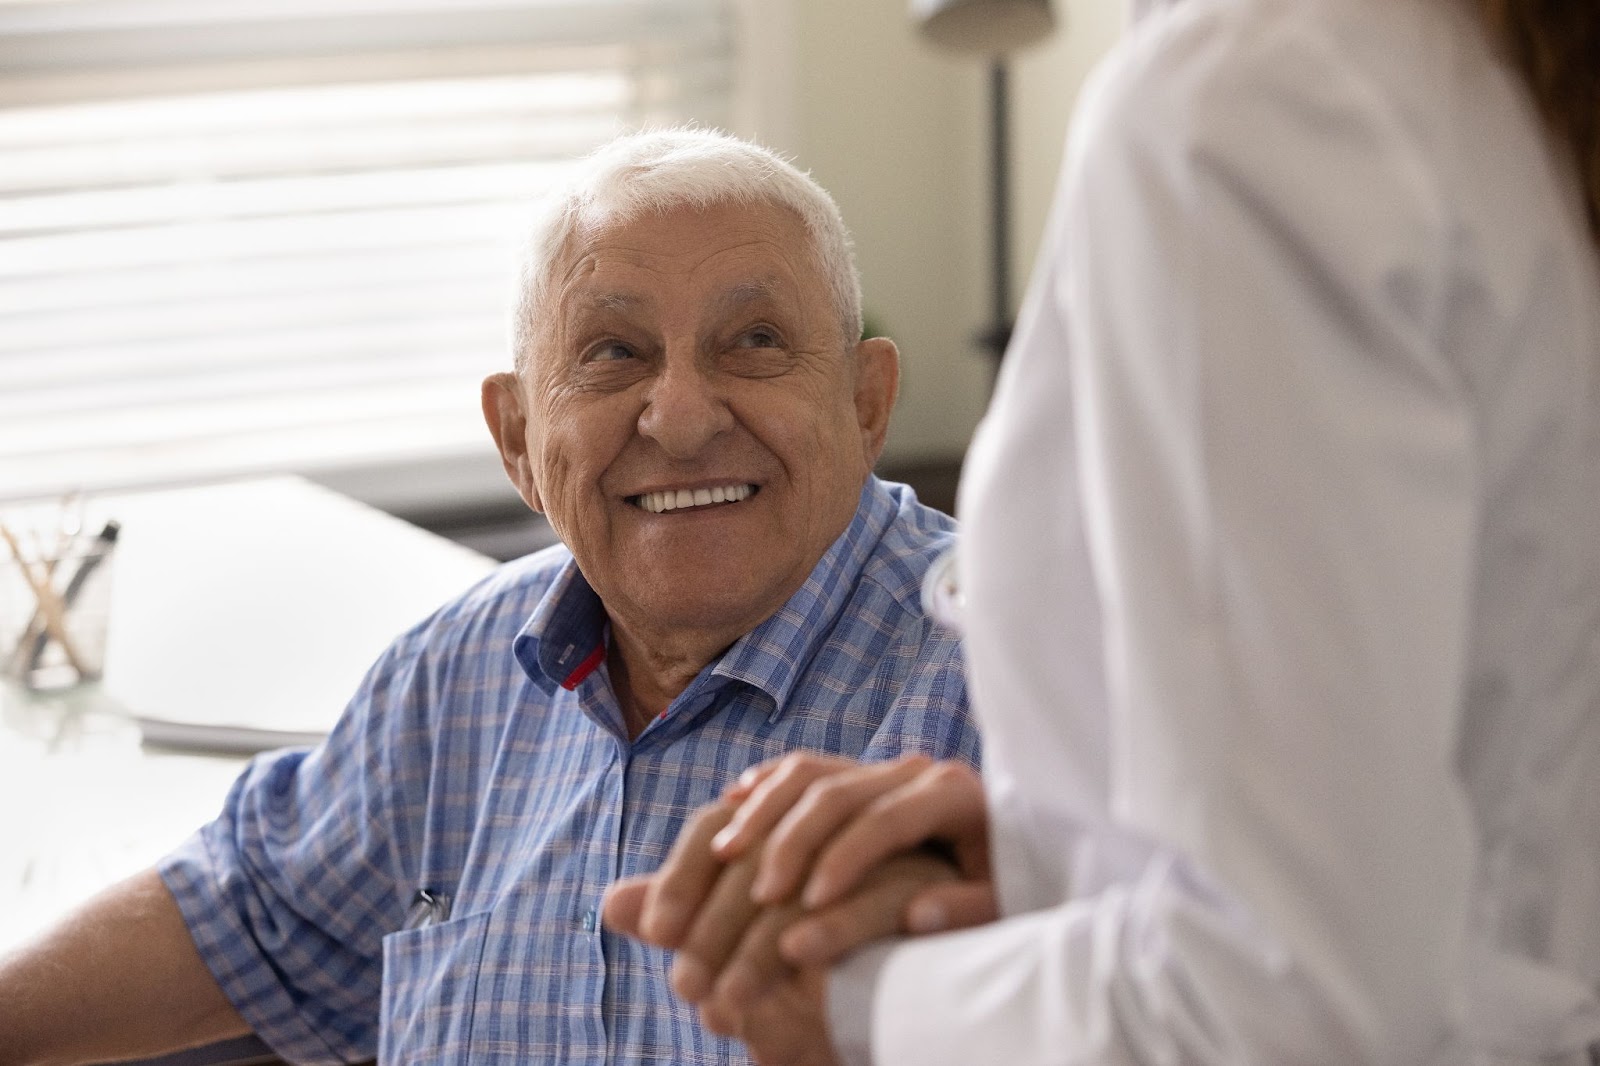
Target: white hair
x,y
651,172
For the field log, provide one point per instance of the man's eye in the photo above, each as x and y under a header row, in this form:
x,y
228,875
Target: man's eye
x,y
759,337
608,351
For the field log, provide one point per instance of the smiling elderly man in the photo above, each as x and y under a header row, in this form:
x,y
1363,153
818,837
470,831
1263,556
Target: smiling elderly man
x,y
693,410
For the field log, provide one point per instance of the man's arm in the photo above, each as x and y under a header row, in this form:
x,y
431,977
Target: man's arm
x,y
120,977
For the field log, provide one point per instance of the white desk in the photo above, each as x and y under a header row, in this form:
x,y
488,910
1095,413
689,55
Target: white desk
x,y
84,805
257,603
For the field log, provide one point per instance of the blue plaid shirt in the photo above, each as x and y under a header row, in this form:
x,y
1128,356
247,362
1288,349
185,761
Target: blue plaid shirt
x,y
514,797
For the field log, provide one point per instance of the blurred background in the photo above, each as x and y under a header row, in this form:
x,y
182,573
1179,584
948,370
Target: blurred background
x,y
258,236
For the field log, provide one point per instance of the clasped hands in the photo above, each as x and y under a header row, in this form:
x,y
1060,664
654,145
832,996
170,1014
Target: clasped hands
x,y
803,860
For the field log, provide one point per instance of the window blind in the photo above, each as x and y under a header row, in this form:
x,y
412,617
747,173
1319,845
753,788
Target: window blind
x,y
277,234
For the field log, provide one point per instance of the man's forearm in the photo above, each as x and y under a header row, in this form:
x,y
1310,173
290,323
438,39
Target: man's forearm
x,y
118,978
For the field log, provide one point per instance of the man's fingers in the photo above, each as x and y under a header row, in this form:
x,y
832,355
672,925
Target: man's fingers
x,y
623,905
785,1025
684,881
875,911
755,965
957,905
715,933
826,805
944,801
717,1018
766,792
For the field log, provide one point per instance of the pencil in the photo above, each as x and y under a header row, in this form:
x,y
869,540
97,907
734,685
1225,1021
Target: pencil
x,y
54,622
69,595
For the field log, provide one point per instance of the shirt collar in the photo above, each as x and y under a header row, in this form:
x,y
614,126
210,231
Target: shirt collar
x,y
564,639
774,654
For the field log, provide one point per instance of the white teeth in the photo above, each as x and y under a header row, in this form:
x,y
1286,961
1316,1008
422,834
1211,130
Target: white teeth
x,y
674,499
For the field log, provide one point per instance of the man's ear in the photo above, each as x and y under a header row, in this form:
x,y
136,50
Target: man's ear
x,y
508,424
877,383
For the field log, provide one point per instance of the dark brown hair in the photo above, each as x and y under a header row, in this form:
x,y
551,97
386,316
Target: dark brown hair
x,y
1556,46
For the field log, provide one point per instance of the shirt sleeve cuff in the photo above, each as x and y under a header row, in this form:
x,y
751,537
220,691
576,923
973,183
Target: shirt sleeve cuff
x,y
852,988
226,947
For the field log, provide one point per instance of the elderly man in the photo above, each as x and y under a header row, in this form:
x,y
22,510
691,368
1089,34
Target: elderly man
x,y
693,410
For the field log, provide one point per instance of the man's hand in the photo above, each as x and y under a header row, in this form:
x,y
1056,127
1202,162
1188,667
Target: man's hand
x,y
660,908
822,827
802,861
728,971
834,826
729,962
784,1025
778,1011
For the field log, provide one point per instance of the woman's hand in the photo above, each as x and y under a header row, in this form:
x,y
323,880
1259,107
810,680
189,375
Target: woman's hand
x,y
823,823
822,827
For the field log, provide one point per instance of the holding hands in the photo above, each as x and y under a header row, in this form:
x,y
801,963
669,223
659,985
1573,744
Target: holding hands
x,y
803,860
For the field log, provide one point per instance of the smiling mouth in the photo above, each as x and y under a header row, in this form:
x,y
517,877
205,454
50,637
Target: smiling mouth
x,y
685,499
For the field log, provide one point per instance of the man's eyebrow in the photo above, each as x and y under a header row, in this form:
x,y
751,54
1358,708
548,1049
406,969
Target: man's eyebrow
x,y
742,294
755,290
609,301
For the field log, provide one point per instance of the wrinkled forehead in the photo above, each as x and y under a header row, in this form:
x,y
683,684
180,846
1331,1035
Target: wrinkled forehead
x,y
727,253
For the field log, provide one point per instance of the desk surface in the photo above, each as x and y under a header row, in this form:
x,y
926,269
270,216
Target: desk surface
x,y
85,805
261,602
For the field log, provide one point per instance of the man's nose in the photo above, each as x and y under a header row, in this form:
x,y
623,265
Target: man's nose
x,y
684,409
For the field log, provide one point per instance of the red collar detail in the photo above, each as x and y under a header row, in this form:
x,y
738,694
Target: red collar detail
x,y
585,668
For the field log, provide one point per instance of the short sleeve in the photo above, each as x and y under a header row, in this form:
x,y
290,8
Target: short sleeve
x,y
289,891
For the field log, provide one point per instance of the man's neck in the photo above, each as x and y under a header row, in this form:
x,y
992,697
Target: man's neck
x,y
647,674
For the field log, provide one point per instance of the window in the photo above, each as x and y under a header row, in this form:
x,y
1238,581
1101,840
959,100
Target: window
x,y
276,234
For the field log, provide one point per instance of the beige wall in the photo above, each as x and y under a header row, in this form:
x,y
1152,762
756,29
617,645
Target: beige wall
x,y
896,130
1045,82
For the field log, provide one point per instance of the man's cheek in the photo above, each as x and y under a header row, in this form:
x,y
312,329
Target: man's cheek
x,y
565,496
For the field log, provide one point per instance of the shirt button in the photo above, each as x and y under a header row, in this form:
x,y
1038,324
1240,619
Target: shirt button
x,y
591,920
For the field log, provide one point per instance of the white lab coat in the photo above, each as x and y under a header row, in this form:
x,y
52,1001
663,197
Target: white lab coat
x,y
1282,559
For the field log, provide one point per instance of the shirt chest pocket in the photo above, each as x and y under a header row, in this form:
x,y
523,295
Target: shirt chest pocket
x,y
430,983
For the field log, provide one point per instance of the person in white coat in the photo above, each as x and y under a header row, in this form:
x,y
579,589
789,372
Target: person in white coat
x,y
1282,594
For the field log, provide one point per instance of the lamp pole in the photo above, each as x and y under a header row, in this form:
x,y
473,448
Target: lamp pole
x,y
998,334
991,28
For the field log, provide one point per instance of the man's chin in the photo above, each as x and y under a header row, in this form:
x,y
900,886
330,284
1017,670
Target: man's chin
x,y
709,600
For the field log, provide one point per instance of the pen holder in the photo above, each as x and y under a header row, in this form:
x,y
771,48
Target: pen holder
x,y
54,610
